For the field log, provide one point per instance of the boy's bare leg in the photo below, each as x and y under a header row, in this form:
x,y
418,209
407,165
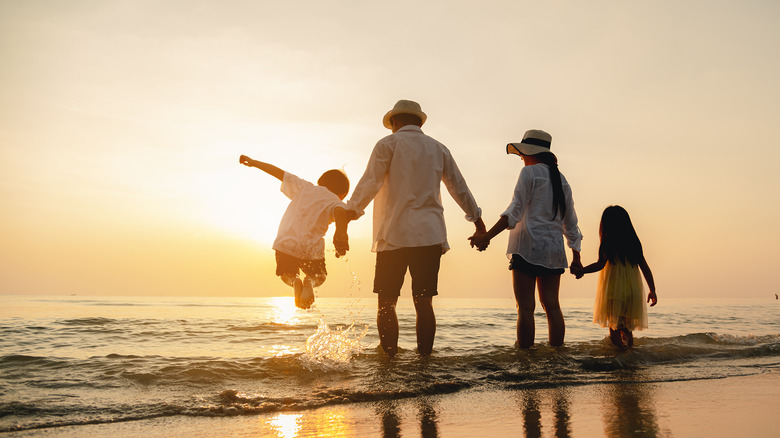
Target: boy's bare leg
x,y
523,286
426,324
307,294
387,325
297,285
548,286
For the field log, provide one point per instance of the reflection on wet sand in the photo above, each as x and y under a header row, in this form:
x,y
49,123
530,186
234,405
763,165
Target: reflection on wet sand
x,y
531,410
333,421
629,410
428,421
391,420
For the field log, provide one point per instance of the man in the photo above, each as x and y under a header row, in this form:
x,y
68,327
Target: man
x,y
403,177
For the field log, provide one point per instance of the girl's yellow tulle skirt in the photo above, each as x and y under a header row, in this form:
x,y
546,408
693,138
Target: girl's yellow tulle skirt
x,y
620,300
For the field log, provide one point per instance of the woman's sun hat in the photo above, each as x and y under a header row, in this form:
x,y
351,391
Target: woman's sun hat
x,y
535,141
404,107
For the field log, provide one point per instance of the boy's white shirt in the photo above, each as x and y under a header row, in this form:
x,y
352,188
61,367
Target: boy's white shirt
x,y
306,220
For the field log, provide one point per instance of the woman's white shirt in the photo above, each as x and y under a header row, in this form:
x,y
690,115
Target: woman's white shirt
x,y
535,235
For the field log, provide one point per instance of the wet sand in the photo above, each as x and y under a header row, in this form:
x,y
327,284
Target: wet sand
x,y
734,406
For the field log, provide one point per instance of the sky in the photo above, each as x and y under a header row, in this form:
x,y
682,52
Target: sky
x,y
121,124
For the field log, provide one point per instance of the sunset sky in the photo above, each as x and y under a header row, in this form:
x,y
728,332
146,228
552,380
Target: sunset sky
x,y
121,124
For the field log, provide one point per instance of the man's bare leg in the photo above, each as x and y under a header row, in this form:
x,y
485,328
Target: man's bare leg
x,y
387,325
426,324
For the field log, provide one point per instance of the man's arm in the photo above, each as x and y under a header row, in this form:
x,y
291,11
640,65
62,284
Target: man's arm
x,y
456,185
265,167
372,180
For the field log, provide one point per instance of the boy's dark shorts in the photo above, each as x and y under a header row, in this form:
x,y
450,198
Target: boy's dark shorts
x,y
423,264
287,264
518,263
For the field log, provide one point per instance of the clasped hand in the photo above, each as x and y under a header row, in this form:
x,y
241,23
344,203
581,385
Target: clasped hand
x,y
576,269
479,240
341,243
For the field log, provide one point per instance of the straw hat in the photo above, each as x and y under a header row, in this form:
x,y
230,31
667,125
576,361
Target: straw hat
x,y
404,107
535,141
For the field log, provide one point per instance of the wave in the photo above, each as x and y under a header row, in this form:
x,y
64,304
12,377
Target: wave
x,y
216,386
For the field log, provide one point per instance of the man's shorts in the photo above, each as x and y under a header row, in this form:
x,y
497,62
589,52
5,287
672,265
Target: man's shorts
x,y
290,265
518,263
423,264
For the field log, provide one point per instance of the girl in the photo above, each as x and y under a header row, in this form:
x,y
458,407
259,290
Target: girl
x,y
619,301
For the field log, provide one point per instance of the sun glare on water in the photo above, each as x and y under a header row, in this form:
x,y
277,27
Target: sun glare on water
x,y
286,425
284,311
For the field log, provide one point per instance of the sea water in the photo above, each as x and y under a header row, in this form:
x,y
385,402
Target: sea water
x,y
71,360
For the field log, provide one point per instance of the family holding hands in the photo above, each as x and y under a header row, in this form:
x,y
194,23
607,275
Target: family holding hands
x,y
403,178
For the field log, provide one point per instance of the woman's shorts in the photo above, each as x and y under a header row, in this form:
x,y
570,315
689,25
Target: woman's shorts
x,y
518,263
423,264
290,265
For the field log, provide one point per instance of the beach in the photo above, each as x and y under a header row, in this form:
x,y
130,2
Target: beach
x,y
190,367
726,407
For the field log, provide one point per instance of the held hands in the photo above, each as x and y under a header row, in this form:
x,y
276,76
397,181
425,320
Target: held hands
x,y
341,243
479,240
576,265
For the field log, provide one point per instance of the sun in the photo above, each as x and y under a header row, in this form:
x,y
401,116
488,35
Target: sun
x,y
242,206
247,202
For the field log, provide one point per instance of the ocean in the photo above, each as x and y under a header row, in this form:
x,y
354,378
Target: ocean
x,y
84,360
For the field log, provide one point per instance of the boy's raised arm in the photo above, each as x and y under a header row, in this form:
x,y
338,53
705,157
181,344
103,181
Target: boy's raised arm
x,y
265,167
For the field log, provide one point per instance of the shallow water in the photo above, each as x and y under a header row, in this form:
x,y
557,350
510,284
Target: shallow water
x,y
89,360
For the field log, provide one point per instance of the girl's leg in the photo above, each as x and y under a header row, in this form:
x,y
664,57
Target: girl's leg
x,y
548,286
615,337
627,337
523,285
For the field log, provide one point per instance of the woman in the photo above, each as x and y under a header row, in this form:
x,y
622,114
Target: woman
x,y
541,213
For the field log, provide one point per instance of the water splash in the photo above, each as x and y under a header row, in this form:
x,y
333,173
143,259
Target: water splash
x,y
333,349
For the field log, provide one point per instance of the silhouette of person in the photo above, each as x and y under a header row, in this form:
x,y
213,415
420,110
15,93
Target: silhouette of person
x,y
403,178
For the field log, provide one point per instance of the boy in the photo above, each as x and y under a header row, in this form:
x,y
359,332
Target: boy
x,y
299,244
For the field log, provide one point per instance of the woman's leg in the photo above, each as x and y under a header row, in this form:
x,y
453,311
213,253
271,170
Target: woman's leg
x,y
549,285
523,285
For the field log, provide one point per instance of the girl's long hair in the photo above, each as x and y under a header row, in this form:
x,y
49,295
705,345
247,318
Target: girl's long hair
x,y
619,242
559,198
